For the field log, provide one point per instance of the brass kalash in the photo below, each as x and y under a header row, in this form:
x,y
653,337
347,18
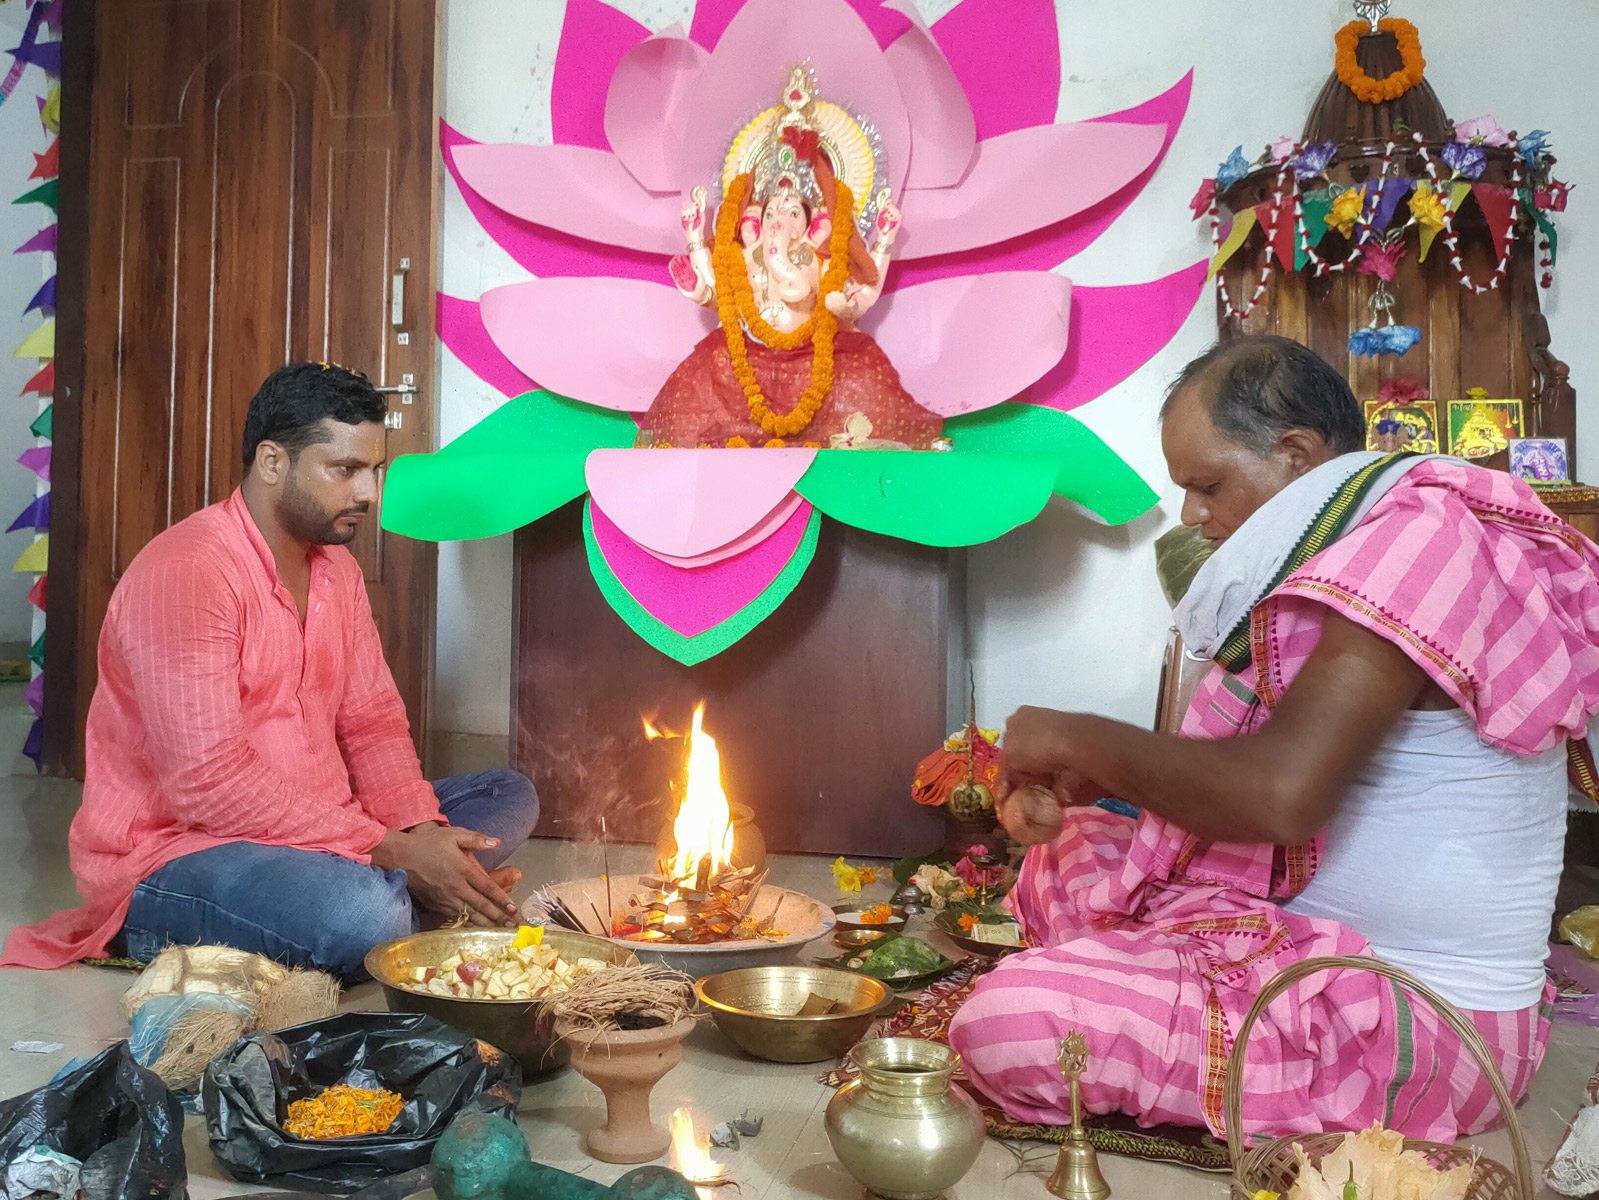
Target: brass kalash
x,y
1077,1175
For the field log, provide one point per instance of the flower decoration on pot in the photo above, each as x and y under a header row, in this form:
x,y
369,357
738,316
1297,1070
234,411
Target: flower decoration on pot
x,y
1381,258
663,329
1466,160
1481,131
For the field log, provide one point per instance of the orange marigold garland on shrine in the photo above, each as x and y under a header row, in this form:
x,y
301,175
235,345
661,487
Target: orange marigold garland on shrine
x,y
735,300
1374,91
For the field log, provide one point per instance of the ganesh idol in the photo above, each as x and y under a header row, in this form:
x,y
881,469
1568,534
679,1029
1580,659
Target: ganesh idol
x,y
783,261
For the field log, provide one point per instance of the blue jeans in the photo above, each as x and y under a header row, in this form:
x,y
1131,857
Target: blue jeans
x,y
308,909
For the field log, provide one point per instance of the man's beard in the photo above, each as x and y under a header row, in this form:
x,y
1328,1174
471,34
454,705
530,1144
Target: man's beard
x,y
307,521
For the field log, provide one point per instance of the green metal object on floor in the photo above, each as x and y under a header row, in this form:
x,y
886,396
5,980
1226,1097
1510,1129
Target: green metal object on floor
x,y
484,1157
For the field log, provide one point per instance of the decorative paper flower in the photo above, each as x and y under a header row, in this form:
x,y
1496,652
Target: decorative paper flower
x,y
851,878
1464,159
1400,392
694,547
1381,259
1427,209
940,886
1200,204
1552,198
1231,171
1346,209
1531,146
1282,149
1312,161
1481,131
1393,339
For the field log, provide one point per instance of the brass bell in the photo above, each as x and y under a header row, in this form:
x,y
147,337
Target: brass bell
x,y
1077,1175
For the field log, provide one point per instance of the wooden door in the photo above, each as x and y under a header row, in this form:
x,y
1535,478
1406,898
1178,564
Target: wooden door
x,y
259,179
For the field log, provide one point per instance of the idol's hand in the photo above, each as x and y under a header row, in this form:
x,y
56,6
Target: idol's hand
x,y
444,877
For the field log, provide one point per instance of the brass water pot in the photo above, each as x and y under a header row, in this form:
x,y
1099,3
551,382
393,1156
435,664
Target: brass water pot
x,y
903,1128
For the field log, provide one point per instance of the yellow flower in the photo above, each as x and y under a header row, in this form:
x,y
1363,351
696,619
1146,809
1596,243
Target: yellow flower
x,y
970,891
1427,208
849,879
1346,210
737,443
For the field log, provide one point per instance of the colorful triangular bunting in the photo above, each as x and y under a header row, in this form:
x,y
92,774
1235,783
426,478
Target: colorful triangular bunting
x,y
34,746
45,297
37,593
41,343
52,17
1316,207
45,239
34,694
47,193
35,559
1545,225
43,424
1242,224
35,516
36,652
1498,204
43,54
44,383
50,110
1457,193
37,460
48,164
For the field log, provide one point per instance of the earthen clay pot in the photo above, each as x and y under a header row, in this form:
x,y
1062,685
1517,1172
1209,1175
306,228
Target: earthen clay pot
x,y
749,846
626,1065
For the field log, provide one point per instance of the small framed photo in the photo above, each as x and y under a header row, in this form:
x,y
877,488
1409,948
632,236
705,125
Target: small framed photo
x,y
1481,428
1409,426
1539,459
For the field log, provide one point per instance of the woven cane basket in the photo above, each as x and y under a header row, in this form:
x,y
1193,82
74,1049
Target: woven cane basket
x,y
1271,1167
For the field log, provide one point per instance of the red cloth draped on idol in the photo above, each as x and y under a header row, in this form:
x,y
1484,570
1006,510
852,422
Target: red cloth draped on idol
x,y
785,265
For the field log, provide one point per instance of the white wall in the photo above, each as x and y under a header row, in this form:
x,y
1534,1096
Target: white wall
x,y
1064,612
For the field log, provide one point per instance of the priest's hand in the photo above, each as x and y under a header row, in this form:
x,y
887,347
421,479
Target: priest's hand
x,y
1037,780
443,875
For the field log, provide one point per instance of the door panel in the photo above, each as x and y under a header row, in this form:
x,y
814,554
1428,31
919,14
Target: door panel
x,y
257,172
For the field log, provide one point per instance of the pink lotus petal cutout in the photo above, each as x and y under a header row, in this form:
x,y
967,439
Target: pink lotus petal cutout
x,y
643,110
543,251
1006,53
1047,248
587,193
965,344
688,502
769,524
594,37
1114,331
943,131
699,598
606,342
460,326
711,18
762,42
1025,180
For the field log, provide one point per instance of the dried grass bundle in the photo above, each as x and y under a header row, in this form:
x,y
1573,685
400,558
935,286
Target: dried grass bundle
x,y
299,997
197,1037
649,992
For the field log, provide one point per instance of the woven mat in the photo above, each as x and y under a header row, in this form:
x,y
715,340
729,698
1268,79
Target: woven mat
x,y
928,1016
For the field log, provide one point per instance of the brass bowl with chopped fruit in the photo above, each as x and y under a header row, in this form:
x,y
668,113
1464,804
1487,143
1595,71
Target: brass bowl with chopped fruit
x,y
518,1026
760,1009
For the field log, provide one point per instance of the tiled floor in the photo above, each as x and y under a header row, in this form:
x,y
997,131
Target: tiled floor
x,y
791,1158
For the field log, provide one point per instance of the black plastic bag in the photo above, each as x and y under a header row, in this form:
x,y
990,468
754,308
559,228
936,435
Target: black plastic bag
x,y
438,1072
115,1117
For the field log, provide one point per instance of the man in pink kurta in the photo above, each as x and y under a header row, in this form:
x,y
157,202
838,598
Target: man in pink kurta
x,y
1376,765
250,777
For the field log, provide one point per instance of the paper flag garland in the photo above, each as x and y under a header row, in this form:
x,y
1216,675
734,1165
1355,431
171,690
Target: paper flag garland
x,y
48,164
50,111
44,383
1316,207
37,460
43,423
41,343
34,746
45,239
1499,206
36,594
45,297
47,193
35,516
43,54
1545,226
36,558
1457,193
36,652
1242,224
34,694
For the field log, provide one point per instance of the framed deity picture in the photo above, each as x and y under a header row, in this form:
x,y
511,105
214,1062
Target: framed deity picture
x,y
1412,425
1481,428
1539,459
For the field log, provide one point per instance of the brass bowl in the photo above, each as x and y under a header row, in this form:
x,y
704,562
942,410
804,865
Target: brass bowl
x,y
849,917
521,1029
855,939
755,1008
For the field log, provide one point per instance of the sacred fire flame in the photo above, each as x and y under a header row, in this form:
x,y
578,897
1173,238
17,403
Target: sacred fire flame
x,y
650,732
704,824
690,1159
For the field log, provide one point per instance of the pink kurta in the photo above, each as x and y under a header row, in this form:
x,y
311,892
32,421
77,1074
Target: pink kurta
x,y
218,718
1155,942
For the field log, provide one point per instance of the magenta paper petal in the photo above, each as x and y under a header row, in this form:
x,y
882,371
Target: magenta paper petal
x,y
1114,331
594,37
752,62
644,115
1049,247
769,524
699,598
587,193
607,342
37,460
689,502
943,132
1006,53
711,18
543,251
964,344
460,325
1026,180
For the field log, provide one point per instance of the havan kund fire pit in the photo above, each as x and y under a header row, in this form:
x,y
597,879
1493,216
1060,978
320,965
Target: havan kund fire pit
x,y
708,908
